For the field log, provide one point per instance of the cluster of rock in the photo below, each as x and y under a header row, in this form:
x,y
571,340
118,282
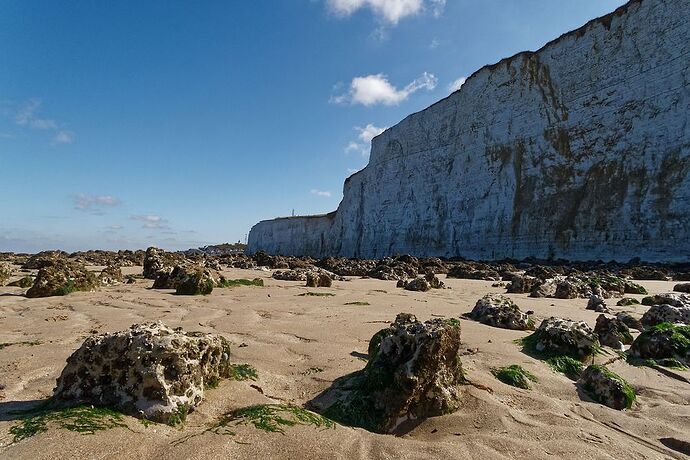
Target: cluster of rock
x,y
604,285
98,257
666,308
149,371
499,311
422,283
413,372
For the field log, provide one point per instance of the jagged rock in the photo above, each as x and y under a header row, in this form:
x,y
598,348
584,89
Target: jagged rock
x,y
546,289
627,301
169,277
5,272
523,284
612,332
347,267
44,259
111,275
556,336
413,372
670,298
315,279
290,275
682,287
666,313
418,284
630,321
389,269
197,281
571,288
153,263
647,273
149,371
433,281
597,304
664,343
606,387
499,311
61,278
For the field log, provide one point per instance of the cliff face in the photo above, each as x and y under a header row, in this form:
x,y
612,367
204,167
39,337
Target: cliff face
x,y
580,150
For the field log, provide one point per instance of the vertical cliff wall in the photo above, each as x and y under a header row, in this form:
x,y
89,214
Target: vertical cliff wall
x,y
580,150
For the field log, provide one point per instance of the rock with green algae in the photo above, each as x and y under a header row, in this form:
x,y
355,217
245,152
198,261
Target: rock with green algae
x,y
149,371
665,344
606,387
413,372
562,337
61,278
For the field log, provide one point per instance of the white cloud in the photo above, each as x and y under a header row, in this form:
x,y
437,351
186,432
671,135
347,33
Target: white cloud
x,y
434,44
437,7
151,221
376,89
320,193
369,132
63,137
365,135
390,11
93,203
457,84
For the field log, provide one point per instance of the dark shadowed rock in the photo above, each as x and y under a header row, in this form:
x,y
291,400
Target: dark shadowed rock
x,y
413,372
606,387
597,304
682,287
523,284
197,281
612,332
149,371
499,311
111,275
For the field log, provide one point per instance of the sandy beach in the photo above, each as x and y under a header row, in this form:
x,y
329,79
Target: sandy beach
x,y
301,344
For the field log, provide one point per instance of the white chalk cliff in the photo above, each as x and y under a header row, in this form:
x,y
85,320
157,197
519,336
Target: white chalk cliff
x,y
580,150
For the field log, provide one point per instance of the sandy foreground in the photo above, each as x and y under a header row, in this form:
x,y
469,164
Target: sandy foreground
x,y
287,335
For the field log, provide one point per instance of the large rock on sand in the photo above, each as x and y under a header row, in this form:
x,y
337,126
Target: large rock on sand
x,y
606,387
556,336
149,371
153,263
413,372
316,279
499,311
612,332
665,344
61,278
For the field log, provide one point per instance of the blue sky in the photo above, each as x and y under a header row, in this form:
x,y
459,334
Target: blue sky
x,y
178,124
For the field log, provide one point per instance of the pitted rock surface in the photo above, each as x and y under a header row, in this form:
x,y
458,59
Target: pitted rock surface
x,y
5,272
607,387
413,372
62,277
565,337
663,342
612,332
666,313
149,371
111,275
499,311
315,279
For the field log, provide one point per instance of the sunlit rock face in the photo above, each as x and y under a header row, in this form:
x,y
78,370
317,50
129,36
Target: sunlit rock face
x,y
580,150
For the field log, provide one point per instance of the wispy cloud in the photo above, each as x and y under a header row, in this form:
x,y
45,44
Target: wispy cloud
x,y
93,203
29,116
320,193
376,89
63,137
151,221
387,11
365,136
457,84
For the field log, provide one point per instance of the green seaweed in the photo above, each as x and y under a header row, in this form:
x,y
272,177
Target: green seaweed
x,y
81,419
514,375
272,418
571,368
178,416
359,303
242,372
28,343
316,294
628,391
225,283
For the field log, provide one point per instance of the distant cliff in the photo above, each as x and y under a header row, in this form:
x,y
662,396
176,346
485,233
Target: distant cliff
x,y
580,150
